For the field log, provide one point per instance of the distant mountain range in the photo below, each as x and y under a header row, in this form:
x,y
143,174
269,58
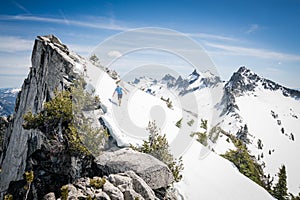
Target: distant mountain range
x,y
252,108
7,100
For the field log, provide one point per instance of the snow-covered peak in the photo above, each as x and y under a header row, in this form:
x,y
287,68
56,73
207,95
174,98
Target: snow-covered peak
x,y
246,81
193,76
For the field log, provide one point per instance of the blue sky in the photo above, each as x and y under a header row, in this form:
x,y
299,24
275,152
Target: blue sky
x,y
262,35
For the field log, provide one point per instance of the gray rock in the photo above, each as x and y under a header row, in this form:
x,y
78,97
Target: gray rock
x,y
113,192
74,193
50,63
140,186
49,196
82,183
154,172
122,181
132,195
101,196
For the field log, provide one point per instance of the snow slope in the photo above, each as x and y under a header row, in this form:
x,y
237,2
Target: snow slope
x,y
272,115
214,177
276,139
270,111
206,174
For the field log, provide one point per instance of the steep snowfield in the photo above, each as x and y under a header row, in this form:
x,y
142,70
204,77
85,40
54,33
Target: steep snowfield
x,y
274,132
214,177
210,177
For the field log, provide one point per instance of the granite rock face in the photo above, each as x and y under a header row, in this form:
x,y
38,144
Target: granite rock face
x,y
154,172
51,64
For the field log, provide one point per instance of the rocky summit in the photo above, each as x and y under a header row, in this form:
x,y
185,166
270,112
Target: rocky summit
x,y
35,164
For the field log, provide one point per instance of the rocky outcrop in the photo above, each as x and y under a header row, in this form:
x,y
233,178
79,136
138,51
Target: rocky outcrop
x,y
244,80
155,173
49,155
122,186
52,68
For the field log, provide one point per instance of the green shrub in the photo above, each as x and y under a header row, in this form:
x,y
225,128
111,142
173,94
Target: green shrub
x,y
157,146
56,112
63,116
97,182
64,192
8,197
191,122
169,104
201,137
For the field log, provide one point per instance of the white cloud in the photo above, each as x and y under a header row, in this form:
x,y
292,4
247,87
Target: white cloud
x,y
260,53
14,44
211,36
94,22
114,54
21,7
253,28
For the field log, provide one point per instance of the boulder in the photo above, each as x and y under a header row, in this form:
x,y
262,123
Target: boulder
x,y
154,172
132,195
113,192
101,196
140,186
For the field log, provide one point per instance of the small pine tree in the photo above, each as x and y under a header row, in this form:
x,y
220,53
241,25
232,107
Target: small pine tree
x,y
269,183
280,188
201,136
169,104
203,124
242,134
246,164
259,144
292,137
157,145
179,123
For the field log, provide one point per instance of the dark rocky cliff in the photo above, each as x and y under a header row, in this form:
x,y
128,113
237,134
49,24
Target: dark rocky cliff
x,y
49,67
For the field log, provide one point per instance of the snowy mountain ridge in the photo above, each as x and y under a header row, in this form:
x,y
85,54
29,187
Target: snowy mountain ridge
x,y
244,80
251,108
270,112
211,172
